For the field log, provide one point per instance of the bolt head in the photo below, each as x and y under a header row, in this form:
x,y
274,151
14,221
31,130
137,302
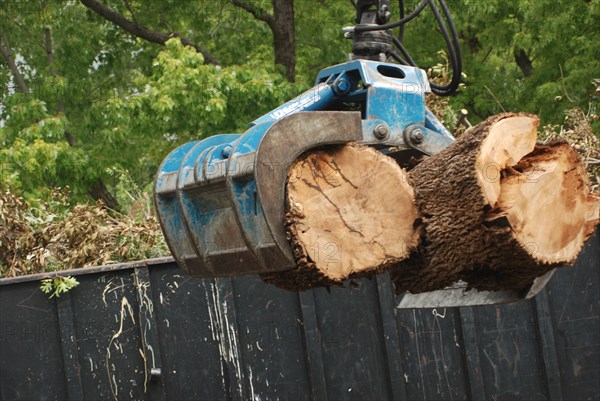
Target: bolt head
x,y
343,86
226,152
381,131
417,136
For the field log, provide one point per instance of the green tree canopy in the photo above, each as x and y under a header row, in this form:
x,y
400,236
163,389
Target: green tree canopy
x,y
97,91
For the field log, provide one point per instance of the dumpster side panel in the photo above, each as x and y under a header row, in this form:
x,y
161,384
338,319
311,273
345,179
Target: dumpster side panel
x,y
31,356
147,331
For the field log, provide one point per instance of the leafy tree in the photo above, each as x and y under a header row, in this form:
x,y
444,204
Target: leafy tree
x,y
96,90
183,99
528,55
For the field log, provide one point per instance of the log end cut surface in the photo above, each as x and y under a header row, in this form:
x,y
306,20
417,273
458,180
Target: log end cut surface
x,y
499,210
351,211
546,200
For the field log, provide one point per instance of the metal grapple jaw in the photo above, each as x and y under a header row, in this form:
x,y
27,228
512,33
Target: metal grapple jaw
x,y
221,200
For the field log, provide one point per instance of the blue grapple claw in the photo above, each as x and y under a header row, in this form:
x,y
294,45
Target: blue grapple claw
x,y
220,200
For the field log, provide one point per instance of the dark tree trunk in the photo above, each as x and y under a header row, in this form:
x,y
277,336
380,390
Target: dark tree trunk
x,y
284,36
282,26
98,191
8,56
524,62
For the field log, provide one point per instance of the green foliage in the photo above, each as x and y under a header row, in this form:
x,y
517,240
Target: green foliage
x,y
109,106
183,99
58,285
560,38
127,102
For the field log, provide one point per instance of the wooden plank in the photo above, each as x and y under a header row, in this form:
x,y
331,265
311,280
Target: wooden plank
x,y
190,339
510,361
108,337
314,352
574,301
432,355
151,353
391,337
547,345
69,346
354,356
227,328
471,354
271,340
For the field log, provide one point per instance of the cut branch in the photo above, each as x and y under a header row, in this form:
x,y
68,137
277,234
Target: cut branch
x,y
143,32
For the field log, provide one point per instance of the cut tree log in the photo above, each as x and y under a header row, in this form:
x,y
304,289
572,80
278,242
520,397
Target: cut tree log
x,y
498,210
351,212
494,210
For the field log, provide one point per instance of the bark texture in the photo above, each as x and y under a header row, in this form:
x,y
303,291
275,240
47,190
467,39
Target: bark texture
x,y
284,36
495,210
498,211
6,52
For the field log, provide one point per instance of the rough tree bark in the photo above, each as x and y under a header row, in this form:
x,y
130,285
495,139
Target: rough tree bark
x,y
281,23
523,61
8,56
498,210
494,210
284,36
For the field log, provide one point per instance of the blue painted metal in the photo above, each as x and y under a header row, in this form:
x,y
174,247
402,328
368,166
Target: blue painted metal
x,y
206,191
316,98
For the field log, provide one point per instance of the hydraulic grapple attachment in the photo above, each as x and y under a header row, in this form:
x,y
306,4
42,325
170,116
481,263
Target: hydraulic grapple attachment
x,y
221,200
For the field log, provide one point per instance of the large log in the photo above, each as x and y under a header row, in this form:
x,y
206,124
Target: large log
x,y
351,212
498,210
494,210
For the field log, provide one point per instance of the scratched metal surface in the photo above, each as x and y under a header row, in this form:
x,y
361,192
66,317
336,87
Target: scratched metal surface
x,y
154,333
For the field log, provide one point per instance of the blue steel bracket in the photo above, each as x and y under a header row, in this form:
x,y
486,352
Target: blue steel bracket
x,y
393,99
425,140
